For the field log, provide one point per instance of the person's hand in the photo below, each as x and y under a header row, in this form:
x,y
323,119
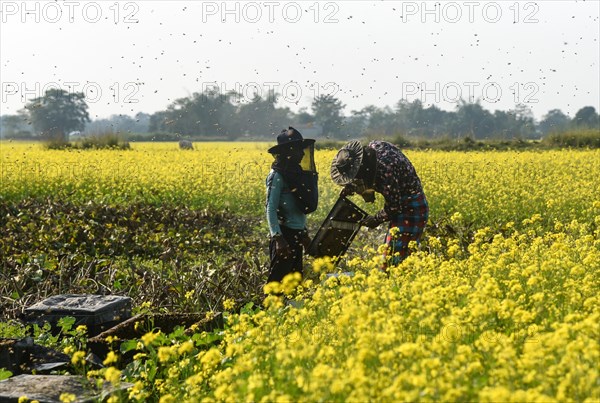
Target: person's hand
x,y
282,248
371,221
347,190
368,196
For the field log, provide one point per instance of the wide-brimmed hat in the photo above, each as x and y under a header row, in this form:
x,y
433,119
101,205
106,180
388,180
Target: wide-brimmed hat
x,y
346,163
287,139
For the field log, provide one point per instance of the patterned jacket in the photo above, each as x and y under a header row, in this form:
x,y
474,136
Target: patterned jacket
x,y
395,178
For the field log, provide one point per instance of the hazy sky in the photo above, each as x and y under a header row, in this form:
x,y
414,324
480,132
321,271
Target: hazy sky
x,y
132,56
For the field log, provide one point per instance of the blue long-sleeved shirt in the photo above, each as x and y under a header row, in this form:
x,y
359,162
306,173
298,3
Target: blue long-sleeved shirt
x,y
279,197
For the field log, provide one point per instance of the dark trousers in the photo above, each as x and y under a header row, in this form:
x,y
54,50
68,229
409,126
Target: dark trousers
x,y
280,267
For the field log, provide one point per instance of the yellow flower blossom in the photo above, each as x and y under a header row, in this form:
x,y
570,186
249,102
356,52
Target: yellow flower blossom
x,y
112,339
185,347
149,338
111,358
167,399
112,375
228,304
165,353
78,358
67,397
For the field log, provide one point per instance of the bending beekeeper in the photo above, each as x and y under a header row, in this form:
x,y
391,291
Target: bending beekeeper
x,y
381,167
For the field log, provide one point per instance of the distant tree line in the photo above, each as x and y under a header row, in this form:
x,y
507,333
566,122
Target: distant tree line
x,y
214,115
48,117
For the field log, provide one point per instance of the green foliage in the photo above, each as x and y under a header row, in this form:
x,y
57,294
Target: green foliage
x,y
5,374
328,113
13,330
329,144
587,117
554,121
156,136
589,138
205,114
470,119
166,256
57,143
108,140
15,126
571,139
120,123
57,113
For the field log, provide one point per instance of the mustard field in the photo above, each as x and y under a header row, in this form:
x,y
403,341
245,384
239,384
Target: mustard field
x,y
500,302
485,188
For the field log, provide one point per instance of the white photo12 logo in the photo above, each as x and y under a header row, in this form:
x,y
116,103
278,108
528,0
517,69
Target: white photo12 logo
x,y
290,92
468,11
69,11
92,91
269,11
490,92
